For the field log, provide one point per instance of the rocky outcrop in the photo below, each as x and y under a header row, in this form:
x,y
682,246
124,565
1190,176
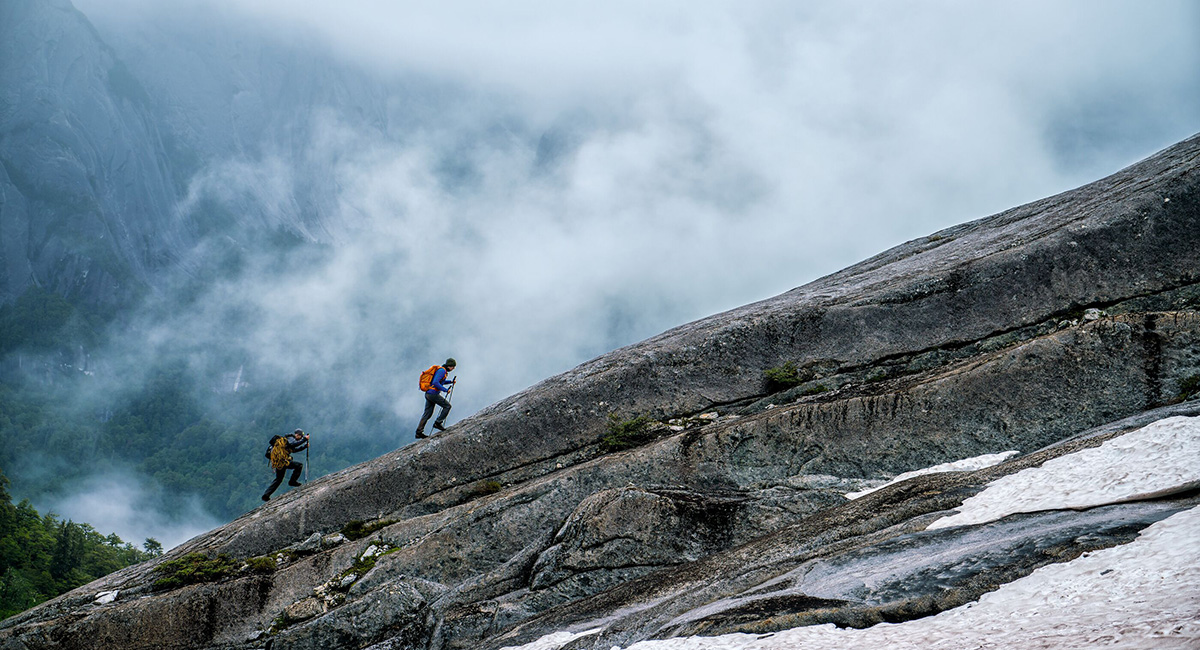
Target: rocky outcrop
x,y
868,561
1023,331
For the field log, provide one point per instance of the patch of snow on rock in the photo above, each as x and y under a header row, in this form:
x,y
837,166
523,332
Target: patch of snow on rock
x,y
106,597
964,465
1145,594
1161,457
553,641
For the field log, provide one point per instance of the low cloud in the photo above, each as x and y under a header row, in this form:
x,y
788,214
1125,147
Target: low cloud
x,y
131,507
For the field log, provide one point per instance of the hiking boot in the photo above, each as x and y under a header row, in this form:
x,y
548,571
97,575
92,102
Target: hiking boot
x,y
294,484
421,434
438,427
266,498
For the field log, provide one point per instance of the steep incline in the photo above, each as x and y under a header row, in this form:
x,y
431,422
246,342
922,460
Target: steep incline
x,y
1132,235
1014,332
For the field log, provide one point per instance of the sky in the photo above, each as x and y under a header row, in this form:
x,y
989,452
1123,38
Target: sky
x,y
566,179
1144,594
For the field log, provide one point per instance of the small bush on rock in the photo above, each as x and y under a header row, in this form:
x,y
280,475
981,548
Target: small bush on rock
x,y
194,568
782,377
626,434
262,564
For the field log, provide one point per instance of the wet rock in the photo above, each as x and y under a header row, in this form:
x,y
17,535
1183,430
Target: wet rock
x,y
920,573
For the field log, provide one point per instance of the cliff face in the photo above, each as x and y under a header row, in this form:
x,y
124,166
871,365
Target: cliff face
x,y
103,157
85,199
1046,329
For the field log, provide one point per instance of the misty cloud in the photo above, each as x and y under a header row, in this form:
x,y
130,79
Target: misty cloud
x,y
132,508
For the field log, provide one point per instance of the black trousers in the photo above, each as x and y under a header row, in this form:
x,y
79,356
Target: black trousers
x,y
296,469
432,400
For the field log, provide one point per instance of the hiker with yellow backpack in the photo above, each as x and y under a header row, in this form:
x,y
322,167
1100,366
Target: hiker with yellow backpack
x,y
280,454
433,383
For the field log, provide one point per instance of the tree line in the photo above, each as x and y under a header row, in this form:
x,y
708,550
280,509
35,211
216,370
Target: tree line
x,y
42,556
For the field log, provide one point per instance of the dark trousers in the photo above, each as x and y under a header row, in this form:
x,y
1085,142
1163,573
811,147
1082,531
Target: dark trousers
x,y
294,466
432,400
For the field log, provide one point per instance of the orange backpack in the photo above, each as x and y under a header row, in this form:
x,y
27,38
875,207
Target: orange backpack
x,y
427,378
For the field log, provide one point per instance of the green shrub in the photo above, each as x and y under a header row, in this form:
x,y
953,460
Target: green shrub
x,y
626,434
356,529
782,377
262,564
194,568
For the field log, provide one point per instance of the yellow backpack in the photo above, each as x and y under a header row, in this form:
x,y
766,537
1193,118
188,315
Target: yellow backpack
x,y
280,456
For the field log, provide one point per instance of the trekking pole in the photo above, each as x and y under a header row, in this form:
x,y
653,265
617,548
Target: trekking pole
x,y
450,393
306,459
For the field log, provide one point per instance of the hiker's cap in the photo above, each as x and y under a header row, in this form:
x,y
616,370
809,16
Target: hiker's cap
x,y
450,363
298,432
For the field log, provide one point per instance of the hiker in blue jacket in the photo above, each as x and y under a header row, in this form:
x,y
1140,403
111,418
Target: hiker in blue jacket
x,y
433,396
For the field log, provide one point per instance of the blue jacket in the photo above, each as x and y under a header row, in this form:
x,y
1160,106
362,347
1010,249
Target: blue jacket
x,y
438,384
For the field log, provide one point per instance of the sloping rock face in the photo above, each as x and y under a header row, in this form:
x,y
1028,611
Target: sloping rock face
x,y
1031,330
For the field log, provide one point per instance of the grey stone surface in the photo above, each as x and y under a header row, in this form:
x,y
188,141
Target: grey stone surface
x,y
753,588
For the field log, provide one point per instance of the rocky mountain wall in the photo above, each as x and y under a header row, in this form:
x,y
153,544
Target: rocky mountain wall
x,y
115,164
85,197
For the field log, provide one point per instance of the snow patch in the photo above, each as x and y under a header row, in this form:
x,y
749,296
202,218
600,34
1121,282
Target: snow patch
x,y
553,641
964,465
106,597
1160,458
1145,594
